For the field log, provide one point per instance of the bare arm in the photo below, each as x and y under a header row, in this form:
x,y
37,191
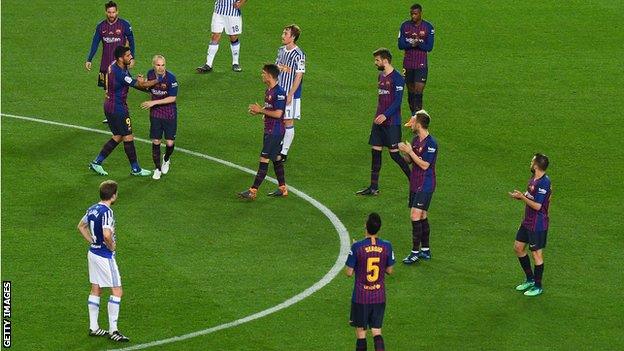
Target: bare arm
x,y
144,84
294,87
410,156
256,109
349,271
389,269
83,228
520,196
151,103
108,239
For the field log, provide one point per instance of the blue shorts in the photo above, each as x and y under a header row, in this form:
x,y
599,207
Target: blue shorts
x,y
271,146
388,136
118,124
367,315
417,75
161,126
420,200
536,240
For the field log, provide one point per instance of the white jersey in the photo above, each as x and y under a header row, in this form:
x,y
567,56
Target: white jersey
x,y
294,59
226,8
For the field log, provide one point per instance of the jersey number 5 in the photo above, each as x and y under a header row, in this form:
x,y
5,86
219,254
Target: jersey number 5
x,y
372,266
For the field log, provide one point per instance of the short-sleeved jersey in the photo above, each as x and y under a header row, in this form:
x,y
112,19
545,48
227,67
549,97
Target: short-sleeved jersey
x,y
274,99
427,150
168,86
294,59
369,259
390,91
118,80
416,56
226,8
538,190
112,35
100,217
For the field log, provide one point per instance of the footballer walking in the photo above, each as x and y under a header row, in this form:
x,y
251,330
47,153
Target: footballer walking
x,y
422,153
227,16
97,227
272,113
386,127
370,259
534,227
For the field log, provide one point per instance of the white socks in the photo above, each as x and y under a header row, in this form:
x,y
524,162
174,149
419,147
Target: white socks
x,y
212,52
94,310
288,139
113,312
235,51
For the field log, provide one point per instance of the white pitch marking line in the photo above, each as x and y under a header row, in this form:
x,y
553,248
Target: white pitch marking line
x,y
343,234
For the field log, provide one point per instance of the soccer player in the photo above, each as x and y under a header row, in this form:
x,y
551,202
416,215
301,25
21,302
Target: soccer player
x,y
97,227
112,32
534,227
273,116
226,16
163,113
370,259
291,62
422,153
118,80
386,128
416,38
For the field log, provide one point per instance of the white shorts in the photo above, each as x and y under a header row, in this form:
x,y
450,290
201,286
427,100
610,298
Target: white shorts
x,y
233,25
293,110
103,271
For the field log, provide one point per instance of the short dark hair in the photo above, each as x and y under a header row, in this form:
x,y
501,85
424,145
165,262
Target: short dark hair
x,y
423,120
383,53
295,31
120,51
271,69
416,7
108,188
110,4
373,223
541,161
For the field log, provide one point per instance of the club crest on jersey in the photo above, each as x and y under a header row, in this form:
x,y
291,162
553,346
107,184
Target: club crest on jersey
x,y
118,31
531,188
269,97
422,33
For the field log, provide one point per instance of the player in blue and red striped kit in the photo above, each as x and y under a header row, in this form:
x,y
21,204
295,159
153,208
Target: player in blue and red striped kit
x,y
386,128
534,228
118,81
163,113
370,259
273,116
422,153
416,39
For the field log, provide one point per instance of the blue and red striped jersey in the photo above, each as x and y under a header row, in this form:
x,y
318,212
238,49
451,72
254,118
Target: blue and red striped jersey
x,y
274,99
390,91
112,35
417,41
427,150
168,86
369,259
538,190
118,80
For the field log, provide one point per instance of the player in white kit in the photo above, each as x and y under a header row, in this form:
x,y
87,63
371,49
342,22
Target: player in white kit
x,y
97,227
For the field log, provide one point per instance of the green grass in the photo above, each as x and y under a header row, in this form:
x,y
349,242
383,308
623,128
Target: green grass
x,y
505,80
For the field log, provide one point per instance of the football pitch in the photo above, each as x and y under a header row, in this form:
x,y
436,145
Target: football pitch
x,y
506,80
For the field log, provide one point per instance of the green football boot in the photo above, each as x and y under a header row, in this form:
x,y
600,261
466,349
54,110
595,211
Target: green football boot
x,y
97,169
525,286
534,291
142,173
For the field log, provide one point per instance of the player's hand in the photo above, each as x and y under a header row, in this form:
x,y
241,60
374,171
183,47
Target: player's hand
x,y
141,79
289,99
131,65
255,109
88,65
237,5
405,147
283,68
380,119
148,104
515,194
